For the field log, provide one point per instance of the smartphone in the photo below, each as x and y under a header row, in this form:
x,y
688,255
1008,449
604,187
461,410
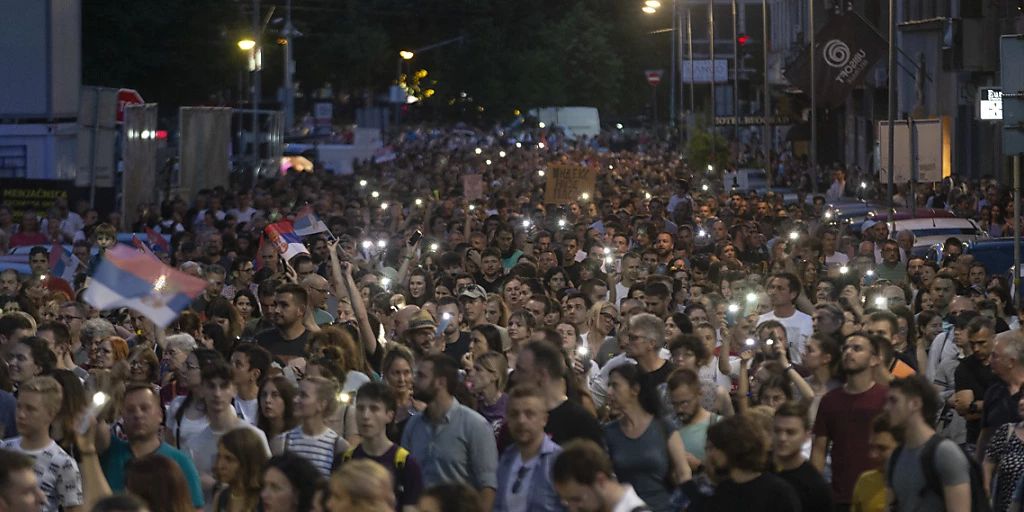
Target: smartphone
x,y
416,236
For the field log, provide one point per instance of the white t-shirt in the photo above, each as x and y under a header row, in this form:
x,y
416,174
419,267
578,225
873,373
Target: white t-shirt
x,y
837,258
57,472
182,432
798,326
202,447
248,408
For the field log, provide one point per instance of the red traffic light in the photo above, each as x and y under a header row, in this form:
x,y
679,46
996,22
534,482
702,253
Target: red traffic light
x,y
742,39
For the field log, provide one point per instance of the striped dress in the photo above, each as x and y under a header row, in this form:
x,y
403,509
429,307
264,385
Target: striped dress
x,y
319,449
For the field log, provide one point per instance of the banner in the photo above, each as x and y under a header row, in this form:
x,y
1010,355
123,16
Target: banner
x,y
845,50
138,147
566,183
205,147
21,195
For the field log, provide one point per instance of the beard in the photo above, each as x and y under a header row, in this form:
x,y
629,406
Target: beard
x,y
424,395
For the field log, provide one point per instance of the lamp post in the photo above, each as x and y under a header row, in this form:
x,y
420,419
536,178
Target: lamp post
x,y
403,56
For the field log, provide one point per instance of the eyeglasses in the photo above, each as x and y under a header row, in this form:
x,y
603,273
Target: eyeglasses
x,y
68,318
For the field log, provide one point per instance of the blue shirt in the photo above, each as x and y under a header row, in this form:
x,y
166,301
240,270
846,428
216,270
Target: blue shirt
x,y
114,459
460,448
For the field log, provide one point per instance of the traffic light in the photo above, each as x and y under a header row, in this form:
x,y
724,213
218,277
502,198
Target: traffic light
x,y
742,39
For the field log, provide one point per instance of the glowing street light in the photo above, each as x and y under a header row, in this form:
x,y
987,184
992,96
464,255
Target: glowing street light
x,y
406,54
654,4
246,44
648,9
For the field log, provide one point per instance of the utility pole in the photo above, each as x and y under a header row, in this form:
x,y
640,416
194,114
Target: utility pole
x,y
689,50
813,171
735,78
767,97
289,70
892,104
711,43
257,88
672,68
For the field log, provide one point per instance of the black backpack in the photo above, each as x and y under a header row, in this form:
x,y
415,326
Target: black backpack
x,y
979,499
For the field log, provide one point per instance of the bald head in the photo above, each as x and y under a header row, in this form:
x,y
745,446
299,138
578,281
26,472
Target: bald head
x,y
317,288
961,304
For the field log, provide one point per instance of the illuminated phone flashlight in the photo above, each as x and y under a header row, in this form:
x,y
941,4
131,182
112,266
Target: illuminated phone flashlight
x,y
478,151
419,202
384,206
385,282
869,273
794,235
344,397
99,399
488,161
561,223
540,173
540,145
362,183
769,342
501,154
472,207
434,247
367,244
863,185
526,223
647,196
844,269
751,297
446,316
611,167
711,167
750,342
541,124
382,243
584,196
375,194
519,145
828,214
582,351
880,302
702,233
608,260
734,308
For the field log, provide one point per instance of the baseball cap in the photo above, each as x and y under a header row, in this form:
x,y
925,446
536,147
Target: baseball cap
x,y
474,291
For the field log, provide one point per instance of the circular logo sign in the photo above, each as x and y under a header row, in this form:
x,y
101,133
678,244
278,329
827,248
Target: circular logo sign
x,y
836,53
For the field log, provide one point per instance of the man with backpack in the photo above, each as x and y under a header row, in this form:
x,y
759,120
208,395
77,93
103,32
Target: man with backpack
x,y
927,472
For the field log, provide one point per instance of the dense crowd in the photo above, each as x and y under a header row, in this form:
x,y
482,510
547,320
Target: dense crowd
x,y
661,343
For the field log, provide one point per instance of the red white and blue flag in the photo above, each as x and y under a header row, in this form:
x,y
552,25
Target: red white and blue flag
x,y
307,223
127,277
63,264
157,241
285,239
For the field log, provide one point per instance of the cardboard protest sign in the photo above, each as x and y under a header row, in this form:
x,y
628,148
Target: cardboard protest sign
x,y
565,183
472,187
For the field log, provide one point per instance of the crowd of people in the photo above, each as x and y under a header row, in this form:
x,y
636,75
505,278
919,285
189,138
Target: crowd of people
x,y
660,343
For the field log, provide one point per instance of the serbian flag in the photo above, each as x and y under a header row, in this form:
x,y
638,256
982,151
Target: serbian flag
x,y
139,245
284,238
62,263
307,223
157,240
129,278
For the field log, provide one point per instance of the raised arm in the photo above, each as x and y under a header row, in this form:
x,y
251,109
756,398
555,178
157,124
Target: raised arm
x,y
345,284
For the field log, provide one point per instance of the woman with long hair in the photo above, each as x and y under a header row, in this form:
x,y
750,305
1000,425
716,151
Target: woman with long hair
x,y
521,325
328,364
556,280
601,320
143,366
289,482
496,310
247,305
222,312
397,369
159,481
488,378
186,415
239,470
483,338
312,438
72,403
420,287
351,360
276,406
646,452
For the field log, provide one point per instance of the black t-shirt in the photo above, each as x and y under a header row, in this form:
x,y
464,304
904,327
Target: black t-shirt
x,y
408,480
459,348
571,421
766,493
812,490
489,286
659,376
280,348
1000,406
972,374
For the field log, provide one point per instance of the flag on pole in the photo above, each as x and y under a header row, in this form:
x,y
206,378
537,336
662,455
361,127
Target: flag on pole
x,y
139,245
284,238
63,264
257,263
129,278
307,222
157,240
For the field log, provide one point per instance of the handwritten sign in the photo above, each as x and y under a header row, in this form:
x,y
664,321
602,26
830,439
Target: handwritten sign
x,y
472,187
566,183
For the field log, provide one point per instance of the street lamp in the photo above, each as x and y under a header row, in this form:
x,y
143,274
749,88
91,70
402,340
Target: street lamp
x,y
654,4
406,54
246,44
648,9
